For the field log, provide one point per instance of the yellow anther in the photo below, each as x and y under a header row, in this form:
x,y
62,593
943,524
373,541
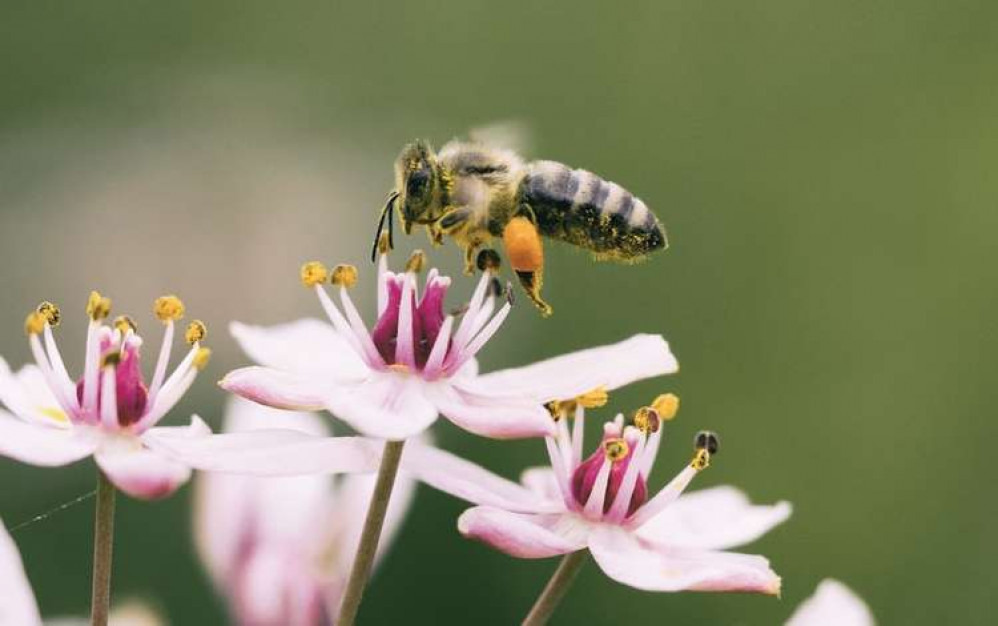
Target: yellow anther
x,y
344,275
201,358
124,324
615,449
416,262
647,420
593,398
168,308
384,243
667,406
701,460
34,324
98,307
556,409
50,312
110,359
313,273
195,332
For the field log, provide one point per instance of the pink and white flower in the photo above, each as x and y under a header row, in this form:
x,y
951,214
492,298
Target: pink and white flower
x,y
280,549
417,362
19,608
669,542
833,604
108,412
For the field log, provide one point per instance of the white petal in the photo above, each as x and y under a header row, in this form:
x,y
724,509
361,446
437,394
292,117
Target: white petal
x,y
274,452
570,375
278,388
140,472
833,604
387,406
498,417
27,395
542,481
17,602
714,519
306,346
470,482
640,564
526,536
37,444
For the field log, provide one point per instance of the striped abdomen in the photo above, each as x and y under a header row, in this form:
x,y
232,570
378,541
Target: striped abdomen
x,y
581,208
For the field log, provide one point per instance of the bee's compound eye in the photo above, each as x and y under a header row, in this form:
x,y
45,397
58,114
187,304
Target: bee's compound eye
x,y
417,182
707,440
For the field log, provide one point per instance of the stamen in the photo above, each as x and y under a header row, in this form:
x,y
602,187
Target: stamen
x,y
313,273
416,262
201,358
488,261
195,332
124,324
109,397
98,307
34,324
168,308
616,449
597,497
667,406
50,312
647,420
384,244
706,444
594,398
439,350
344,276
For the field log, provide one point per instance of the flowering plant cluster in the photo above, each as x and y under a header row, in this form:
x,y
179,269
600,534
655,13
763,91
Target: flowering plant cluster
x,y
290,520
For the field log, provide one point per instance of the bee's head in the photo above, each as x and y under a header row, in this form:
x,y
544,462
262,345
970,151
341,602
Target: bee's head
x,y
417,181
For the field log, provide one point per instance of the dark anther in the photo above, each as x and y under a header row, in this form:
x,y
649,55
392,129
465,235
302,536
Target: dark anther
x,y
488,259
707,440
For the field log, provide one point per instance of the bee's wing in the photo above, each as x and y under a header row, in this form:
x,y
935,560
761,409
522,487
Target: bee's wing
x,y
511,135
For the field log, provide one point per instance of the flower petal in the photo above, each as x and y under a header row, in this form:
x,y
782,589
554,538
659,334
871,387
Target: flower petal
x,y
833,604
542,481
569,375
387,406
498,417
142,473
470,482
29,397
17,601
305,346
713,519
643,565
525,536
273,452
37,444
277,388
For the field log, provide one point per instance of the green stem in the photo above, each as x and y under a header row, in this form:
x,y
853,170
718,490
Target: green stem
x,y
103,542
556,588
371,534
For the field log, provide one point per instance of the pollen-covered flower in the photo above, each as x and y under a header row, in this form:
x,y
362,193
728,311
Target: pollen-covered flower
x,y
666,542
109,410
19,608
280,549
833,604
417,361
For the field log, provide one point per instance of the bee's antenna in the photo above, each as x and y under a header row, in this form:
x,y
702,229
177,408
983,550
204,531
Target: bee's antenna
x,y
386,213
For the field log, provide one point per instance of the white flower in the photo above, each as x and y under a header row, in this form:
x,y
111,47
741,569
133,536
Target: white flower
x,y
833,604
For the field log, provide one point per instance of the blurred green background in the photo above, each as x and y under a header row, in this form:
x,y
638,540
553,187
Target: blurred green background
x,y
825,171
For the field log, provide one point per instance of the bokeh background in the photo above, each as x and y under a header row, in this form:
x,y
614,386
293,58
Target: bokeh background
x,y
825,171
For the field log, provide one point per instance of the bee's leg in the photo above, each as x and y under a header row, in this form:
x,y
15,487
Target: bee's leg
x,y
454,223
470,256
525,251
435,234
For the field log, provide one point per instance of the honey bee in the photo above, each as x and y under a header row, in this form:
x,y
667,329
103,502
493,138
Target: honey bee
x,y
474,192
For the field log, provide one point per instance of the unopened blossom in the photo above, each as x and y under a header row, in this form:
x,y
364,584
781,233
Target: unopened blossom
x,y
109,411
393,379
662,542
279,549
19,608
833,604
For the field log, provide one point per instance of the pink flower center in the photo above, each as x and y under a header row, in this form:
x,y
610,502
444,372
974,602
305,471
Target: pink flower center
x,y
585,475
427,318
132,394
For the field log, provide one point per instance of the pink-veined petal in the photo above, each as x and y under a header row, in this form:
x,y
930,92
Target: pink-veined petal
x,y
490,416
569,375
386,405
306,346
718,518
470,482
37,444
542,481
140,472
652,567
278,388
17,601
271,452
526,536
833,604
